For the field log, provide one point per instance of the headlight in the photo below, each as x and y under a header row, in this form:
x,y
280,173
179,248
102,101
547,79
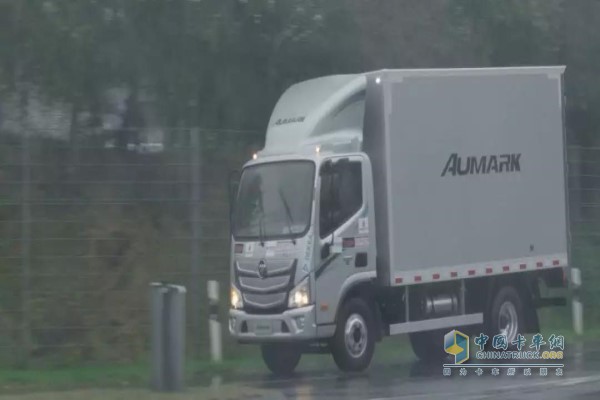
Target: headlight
x,y
236,298
300,295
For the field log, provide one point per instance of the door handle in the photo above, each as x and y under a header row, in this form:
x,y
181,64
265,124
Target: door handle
x,y
348,259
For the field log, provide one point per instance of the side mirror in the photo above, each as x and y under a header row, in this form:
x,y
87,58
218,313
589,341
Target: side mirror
x,y
327,167
336,247
325,251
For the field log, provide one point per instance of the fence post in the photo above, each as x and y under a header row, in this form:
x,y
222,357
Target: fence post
x,y
195,215
25,226
574,184
577,307
216,350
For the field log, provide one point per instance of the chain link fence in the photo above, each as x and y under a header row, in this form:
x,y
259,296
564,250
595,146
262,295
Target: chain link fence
x,y
584,213
86,225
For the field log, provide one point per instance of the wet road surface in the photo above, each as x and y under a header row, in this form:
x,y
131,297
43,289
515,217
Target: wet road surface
x,y
580,380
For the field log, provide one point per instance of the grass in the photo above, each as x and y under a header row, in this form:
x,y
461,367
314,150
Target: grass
x,y
196,393
199,372
558,320
110,375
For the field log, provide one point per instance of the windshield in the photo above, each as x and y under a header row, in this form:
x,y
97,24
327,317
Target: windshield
x,y
274,200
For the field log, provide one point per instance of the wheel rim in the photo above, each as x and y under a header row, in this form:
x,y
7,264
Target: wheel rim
x,y
508,321
355,335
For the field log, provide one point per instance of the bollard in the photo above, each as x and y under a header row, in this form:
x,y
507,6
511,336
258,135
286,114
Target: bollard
x,y
577,307
168,336
175,338
216,350
157,291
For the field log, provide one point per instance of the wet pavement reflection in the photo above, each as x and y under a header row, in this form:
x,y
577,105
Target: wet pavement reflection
x,y
420,380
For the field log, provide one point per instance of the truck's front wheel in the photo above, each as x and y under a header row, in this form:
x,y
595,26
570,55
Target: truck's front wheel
x,y
281,358
353,344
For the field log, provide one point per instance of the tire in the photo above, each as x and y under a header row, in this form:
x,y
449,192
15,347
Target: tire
x,y
428,346
353,343
506,314
281,358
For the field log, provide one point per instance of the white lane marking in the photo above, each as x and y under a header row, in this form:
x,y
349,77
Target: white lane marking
x,y
299,379
553,382
412,396
557,382
577,381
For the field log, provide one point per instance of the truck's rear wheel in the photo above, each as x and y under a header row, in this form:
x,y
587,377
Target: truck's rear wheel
x,y
506,314
281,358
353,344
428,346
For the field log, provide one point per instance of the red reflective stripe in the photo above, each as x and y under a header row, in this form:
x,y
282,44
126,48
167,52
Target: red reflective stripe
x,y
555,262
539,264
489,270
506,268
417,278
436,276
523,266
398,280
453,274
471,272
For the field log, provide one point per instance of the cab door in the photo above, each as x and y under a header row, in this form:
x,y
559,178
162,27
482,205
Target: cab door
x,y
344,232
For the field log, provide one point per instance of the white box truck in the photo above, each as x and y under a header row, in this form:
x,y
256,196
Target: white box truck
x,y
401,201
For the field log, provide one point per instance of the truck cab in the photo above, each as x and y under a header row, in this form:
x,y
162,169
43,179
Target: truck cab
x,y
303,224
317,226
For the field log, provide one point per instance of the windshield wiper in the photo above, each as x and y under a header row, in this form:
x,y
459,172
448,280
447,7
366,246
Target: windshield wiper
x,y
261,222
290,220
261,230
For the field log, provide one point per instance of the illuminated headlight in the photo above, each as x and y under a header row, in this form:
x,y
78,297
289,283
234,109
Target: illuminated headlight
x,y
300,295
236,298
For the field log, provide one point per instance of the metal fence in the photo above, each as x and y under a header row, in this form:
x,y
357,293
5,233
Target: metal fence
x,y
86,225
584,213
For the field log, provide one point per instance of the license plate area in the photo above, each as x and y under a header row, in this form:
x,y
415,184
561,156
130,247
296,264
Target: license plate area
x,y
262,328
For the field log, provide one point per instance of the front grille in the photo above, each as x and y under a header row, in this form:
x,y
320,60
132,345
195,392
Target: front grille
x,y
268,285
266,301
269,293
250,309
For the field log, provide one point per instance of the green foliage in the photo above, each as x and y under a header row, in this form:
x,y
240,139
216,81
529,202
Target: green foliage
x,y
216,64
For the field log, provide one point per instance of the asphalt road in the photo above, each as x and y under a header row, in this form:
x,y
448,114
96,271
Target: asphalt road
x,y
580,380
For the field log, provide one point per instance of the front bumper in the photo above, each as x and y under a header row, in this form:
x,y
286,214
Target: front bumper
x,y
292,325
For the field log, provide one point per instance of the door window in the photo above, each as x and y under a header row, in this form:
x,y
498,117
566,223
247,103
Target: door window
x,y
341,195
